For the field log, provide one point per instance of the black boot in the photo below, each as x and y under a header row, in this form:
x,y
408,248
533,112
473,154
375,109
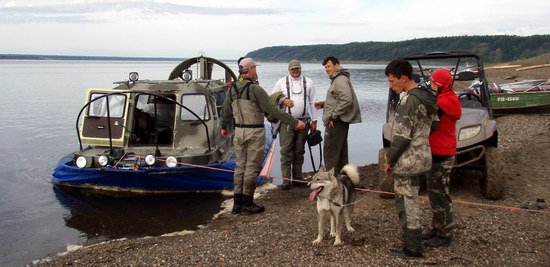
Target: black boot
x,y
430,234
237,203
286,185
407,254
439,241
412,243
249,207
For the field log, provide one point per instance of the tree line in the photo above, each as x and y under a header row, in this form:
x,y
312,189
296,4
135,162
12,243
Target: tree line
x,y
491,48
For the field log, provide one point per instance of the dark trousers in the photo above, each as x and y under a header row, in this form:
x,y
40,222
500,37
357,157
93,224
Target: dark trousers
x,y
292,151
336,146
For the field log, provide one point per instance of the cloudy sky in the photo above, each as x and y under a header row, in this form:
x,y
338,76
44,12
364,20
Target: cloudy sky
x,y
229,29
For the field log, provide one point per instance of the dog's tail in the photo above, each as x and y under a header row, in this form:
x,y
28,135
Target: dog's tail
x,y
352,173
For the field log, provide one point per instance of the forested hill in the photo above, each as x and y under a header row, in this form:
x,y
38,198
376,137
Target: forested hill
x,y
491,48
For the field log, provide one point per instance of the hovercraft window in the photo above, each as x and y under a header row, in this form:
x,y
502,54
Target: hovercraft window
x,y
196,103
98,108
145,121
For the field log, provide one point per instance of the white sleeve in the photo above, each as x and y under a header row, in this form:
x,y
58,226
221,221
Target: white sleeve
x,y
312,97
279,86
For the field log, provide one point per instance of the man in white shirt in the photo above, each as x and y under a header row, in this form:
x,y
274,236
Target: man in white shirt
x,y
298,99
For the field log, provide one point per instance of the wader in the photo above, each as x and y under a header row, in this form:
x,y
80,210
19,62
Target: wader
x,y
293,143
249,143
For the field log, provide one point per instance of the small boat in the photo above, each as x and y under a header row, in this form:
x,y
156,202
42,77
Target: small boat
x,y
155,135
529,96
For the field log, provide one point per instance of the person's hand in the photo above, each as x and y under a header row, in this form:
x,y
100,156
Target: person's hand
x,y
288,103
331,124
300,126
387,168
313,126
319,105
224,133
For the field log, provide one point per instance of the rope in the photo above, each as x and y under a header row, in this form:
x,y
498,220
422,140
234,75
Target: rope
x,y
468,203
200,166
463,202
513,209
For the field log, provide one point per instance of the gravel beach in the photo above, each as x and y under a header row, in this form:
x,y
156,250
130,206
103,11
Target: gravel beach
x,y
282,235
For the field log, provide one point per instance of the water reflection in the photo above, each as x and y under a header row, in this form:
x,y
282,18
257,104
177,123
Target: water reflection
x,y
101,216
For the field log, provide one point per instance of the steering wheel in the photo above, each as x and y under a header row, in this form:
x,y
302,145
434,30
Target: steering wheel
x,y
468,95
177,71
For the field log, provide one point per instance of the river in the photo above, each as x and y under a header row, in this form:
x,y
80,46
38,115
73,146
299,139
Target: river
x,y
38,106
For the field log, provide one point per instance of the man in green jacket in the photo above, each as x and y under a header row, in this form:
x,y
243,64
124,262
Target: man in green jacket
x,y
245,104
340,109
409,157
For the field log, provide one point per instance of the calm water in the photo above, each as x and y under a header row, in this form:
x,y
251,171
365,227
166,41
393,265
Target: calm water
x,y
39,101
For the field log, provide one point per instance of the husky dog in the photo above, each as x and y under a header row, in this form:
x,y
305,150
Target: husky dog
x,y
335,196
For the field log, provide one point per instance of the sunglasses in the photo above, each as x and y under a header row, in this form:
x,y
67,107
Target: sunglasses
x,y
295,68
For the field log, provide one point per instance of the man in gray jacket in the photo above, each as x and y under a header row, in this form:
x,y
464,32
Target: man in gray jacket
x,y
340,109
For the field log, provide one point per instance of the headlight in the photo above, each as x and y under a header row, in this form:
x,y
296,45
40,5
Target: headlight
x,y
150,160
133,76
171,162
469,132
81,162
187,75
103,160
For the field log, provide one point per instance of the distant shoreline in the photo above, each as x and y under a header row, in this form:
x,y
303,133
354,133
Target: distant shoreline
x,y
104,58
62,57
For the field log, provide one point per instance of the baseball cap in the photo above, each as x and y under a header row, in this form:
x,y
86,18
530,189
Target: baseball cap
x,y
247,63
293,64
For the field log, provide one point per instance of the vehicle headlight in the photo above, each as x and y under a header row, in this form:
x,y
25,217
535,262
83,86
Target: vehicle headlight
x,y
150,160
171,162
469,132
103,160
81,162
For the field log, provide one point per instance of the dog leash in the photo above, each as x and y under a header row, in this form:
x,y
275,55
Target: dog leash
x,y
361,199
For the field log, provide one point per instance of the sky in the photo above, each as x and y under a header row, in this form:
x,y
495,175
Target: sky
x,y
230,29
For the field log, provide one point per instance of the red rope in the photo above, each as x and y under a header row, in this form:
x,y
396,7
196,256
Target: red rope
x,y
512,209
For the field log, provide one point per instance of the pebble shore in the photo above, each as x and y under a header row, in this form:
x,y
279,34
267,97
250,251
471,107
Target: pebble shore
x,y
282,235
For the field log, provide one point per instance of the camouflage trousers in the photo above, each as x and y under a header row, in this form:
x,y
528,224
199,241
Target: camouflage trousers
x,y
407,205
440,201
292,151
249,149
336,146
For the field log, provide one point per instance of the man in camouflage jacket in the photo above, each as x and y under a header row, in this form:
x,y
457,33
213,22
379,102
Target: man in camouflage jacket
x,y
409,158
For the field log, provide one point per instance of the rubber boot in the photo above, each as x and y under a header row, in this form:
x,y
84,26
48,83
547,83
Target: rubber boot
x,y
249,207
413,243
430,234
237,203
439,241
286,185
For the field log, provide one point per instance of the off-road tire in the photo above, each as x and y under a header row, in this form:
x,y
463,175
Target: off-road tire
x,y
385,182
493,182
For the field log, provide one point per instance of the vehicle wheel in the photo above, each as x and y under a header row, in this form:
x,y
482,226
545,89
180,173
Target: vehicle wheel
x,y
385,182
493,182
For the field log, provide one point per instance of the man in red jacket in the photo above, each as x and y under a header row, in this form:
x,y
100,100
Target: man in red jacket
x,y
443,147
